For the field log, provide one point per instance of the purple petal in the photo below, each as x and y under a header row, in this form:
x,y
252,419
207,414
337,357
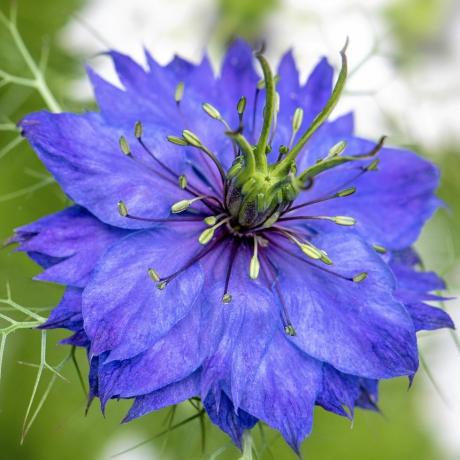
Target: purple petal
x,y
167,396
70,243
123,310
372,333
82,152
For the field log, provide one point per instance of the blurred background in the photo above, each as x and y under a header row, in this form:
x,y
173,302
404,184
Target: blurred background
x,y
405,82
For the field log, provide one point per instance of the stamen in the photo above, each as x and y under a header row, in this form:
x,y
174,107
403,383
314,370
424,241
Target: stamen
x,y
165,281
123,211
379,249
176,140
337,149
307,248
207,235
296,124
193,140
355,279
360,277
182,182
254,266
183,205
153,275
212,111
179,94
240,108
215,114
287,324
124,146
212,220
339,220
227,297
138,130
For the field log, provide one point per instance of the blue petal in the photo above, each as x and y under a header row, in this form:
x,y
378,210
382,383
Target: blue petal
x,y
167,396
69,242
172,358
402,190
359,328
429,318
222,413
82,152
284,390
67,314
124,312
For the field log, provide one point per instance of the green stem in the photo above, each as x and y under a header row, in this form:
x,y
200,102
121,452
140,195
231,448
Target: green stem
x,y
284,166
40,82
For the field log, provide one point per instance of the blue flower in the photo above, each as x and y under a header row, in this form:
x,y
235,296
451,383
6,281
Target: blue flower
x,y
230,242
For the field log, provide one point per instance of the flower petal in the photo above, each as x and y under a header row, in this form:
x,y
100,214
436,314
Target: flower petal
x,y
124,312
359,328
82,152
167,396
70,241
172,358
223,414
402,190
284,390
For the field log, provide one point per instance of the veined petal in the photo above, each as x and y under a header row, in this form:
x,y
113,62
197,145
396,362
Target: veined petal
x,y
124,311
402,190
167,396
82,152
70,243
358,328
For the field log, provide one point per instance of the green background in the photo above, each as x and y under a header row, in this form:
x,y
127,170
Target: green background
x,y
62,430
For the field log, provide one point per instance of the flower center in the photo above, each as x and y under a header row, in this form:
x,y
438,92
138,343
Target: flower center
x,y
255,197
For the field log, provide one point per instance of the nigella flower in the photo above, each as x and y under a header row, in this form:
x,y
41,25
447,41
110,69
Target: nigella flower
x,y
229,242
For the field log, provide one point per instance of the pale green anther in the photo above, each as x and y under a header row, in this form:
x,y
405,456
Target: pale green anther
x,y
310,251
191,138
360,277
177,140
254,267
210,220
180,206
261,84
325,259
277,102
337,149
271,220
154,275
182,182
179,94
226,298
297,119
138,129
161,285
379,249
212,111
241,106
346,192
206,235
260,202
344,220
374,166
124,146
289,330
122,209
